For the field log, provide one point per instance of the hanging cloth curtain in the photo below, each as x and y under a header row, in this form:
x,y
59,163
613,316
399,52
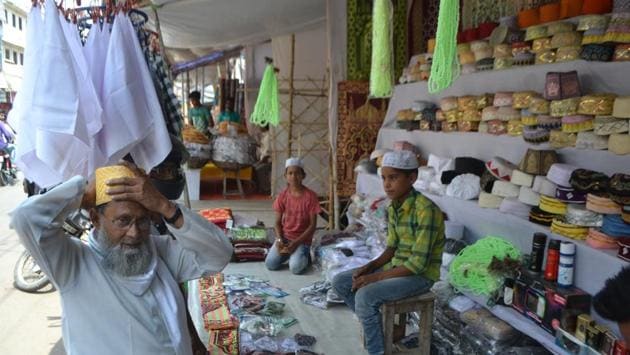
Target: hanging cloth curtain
x,y
381,73
267,108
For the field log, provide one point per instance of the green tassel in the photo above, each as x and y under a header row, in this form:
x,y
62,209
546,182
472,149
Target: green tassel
x,y
267,108
445,67
381,72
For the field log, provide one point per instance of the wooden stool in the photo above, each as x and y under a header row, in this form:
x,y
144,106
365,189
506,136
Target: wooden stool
x,y
423,304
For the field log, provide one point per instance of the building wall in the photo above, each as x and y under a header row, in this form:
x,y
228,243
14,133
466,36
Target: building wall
x,y
13,16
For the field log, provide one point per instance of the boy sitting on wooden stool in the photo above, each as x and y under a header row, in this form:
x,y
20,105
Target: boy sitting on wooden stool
x,y
410,264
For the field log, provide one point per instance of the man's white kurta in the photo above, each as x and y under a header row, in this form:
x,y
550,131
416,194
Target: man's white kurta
x,y
102,312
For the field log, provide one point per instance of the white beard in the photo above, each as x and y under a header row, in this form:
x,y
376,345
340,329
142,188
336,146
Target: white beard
x,y
124,261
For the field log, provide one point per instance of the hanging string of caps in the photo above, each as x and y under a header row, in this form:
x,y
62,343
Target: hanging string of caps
x,y
95,13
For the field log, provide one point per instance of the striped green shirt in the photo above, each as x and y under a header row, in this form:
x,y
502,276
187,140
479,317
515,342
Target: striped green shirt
x,y
416,231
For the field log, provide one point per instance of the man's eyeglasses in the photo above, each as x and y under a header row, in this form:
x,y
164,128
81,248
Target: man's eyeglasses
x,y
124,223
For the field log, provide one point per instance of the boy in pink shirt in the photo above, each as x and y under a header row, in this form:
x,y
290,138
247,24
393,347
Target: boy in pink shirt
x,y
296,209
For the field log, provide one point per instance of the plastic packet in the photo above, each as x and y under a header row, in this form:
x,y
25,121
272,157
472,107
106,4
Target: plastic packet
x,y
288,345
266,344
461,304
259,326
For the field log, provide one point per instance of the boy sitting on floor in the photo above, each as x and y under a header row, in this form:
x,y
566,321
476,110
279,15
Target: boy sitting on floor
x,y
296,209
410,264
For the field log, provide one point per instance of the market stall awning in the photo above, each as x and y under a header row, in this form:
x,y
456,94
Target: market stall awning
x,y
194,28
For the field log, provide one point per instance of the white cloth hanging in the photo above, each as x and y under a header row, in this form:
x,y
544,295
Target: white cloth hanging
x,y
133,120
95,50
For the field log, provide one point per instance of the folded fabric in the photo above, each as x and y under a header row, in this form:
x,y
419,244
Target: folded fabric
x,y
468,165
560,174
591,141
614,226
625,213
569,195
541,217
580,216
607,125
487,181
538,162
589,181
544,186
602,204
521,178
619,143
528,196
487,200
619,189
464,187
560,226
515,207
505,189
552,205
500,168
598,240
624,249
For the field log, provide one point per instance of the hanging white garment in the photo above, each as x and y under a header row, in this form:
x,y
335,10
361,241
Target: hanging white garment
x,y
133,120
95,51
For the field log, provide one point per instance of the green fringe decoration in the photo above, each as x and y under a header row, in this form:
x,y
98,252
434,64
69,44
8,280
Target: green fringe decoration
x,y
381,73
445,67
267,108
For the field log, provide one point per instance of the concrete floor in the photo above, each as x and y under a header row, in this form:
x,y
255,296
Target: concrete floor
x,y
31,323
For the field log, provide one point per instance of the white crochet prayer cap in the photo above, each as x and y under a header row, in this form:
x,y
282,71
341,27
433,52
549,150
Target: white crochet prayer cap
x,y
294,162
400,159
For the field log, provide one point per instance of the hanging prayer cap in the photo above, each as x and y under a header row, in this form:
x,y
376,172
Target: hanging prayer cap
x,y
107,173
400,159
294,162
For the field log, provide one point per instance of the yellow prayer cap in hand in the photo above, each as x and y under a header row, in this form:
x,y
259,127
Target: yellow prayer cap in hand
x,y
105,174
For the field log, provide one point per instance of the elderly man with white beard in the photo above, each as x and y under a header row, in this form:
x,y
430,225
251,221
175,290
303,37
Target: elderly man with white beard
x,y
119,291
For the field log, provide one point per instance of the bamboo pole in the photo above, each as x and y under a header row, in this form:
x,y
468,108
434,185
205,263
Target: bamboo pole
x,y
291,98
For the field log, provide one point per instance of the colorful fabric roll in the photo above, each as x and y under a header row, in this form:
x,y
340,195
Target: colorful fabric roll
x,y
597,105
580,216
607,125
589,181
602,204
618,28
577,123
598,240
528,196
615,227
619,188
594,37
560,174
544,186
538,106
487,200
514,207
619,143
535,135
500,168
552,205
538,162
538,216
559,139
591,141
569,195
621,107
497,127
560,226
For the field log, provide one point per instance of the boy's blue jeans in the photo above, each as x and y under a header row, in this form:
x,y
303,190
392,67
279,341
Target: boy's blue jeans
x,y
366,302
298,261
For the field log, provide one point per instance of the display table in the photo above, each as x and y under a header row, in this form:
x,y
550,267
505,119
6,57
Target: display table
x,y
211,172
593,266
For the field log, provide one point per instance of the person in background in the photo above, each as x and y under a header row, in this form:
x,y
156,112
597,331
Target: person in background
x,y
296,209
119,291
228,115
199,114
411,262
7,138
613,302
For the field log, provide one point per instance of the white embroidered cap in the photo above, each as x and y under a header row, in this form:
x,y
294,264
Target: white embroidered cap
x,y
401,159
294,162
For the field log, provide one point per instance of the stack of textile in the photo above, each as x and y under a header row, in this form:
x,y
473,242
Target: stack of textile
x,y
218,216
250,244
218,321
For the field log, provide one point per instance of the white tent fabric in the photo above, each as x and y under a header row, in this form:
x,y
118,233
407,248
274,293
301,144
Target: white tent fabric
x,y
195,24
